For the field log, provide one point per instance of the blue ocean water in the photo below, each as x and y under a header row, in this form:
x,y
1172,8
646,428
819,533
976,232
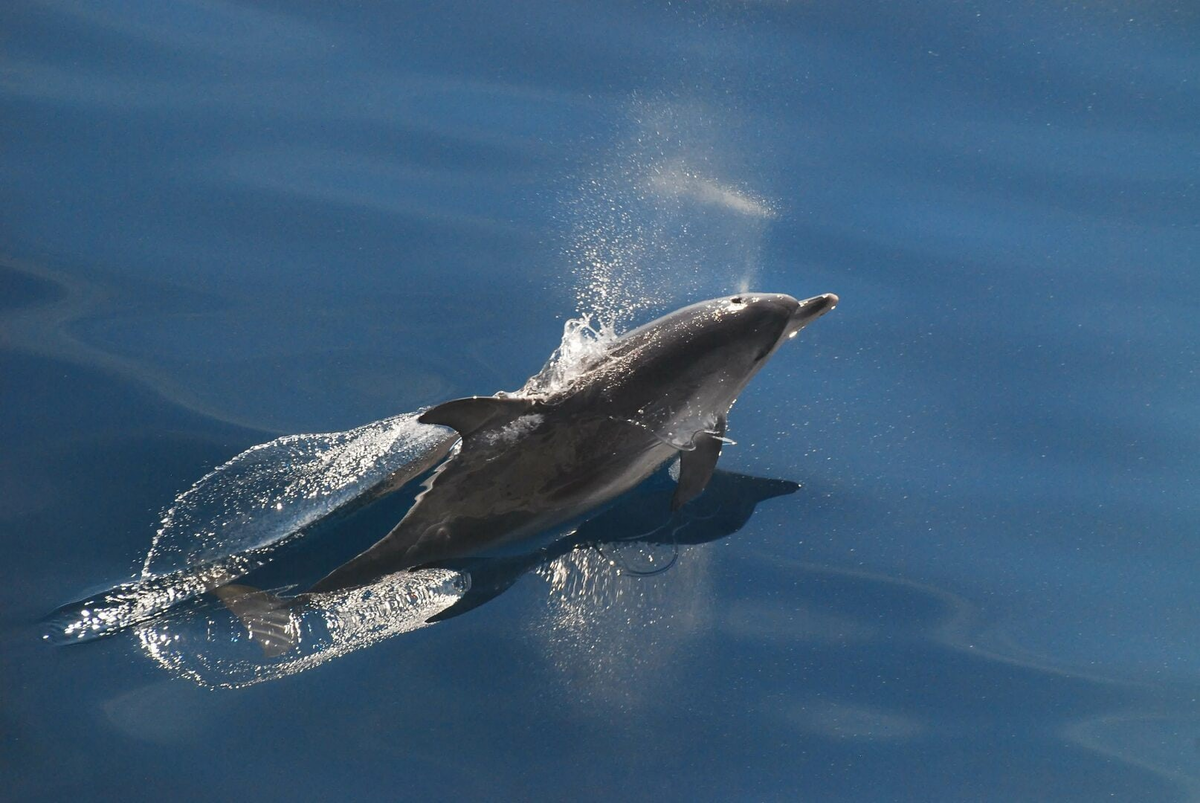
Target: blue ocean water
x,y
227,222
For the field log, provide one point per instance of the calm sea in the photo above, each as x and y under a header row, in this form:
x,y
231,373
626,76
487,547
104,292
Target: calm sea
x,y
223,222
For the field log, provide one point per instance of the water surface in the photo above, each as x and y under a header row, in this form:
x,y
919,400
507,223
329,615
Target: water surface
x,y
227,222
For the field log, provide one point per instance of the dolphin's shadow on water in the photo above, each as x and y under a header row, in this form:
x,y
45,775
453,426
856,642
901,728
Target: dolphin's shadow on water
x,y
256,636
642,516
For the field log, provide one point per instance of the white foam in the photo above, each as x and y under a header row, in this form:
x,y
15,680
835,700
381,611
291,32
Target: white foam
x,y
583,345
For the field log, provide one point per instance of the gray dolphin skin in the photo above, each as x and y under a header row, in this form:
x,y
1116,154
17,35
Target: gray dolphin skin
x,y
528,463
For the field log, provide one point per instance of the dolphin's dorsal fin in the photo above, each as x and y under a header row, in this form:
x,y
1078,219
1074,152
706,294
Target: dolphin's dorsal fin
x,y
476,412
696,466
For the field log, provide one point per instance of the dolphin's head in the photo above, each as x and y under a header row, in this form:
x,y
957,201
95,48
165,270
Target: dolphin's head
x,y
760,320
766,313
689,366
740,331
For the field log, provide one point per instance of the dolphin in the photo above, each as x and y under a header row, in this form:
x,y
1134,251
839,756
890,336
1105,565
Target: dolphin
x,y
532,461
540,461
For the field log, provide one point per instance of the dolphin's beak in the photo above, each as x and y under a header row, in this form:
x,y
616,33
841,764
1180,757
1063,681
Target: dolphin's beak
x,y
809,310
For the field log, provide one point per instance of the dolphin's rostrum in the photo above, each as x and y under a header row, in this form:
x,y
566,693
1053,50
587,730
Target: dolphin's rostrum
x,y
529,462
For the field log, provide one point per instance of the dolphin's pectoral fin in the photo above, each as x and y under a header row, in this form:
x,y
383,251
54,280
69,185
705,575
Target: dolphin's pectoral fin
x,y
476,412
696,467
268,618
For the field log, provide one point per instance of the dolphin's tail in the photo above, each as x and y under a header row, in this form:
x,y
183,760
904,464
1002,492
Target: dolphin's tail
x,y
130,604
269,619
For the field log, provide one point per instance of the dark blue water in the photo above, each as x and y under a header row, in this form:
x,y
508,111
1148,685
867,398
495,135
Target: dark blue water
x,y
225,222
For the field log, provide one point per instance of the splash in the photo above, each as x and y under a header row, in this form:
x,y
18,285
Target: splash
x,y
661,219
210,646
235,518
583,345
282,487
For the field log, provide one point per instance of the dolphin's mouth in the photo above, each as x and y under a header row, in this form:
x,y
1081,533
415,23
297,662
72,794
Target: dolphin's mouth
x,y
809,310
